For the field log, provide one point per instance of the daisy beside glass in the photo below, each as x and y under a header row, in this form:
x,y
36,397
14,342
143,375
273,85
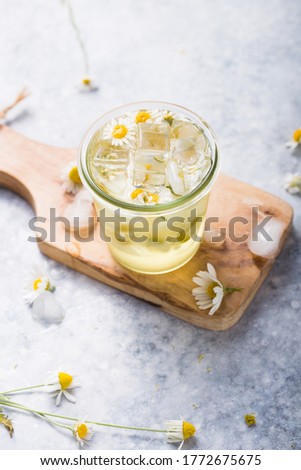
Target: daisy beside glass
x,y
292,183
119,131
70,179
60,384
296,140
210,291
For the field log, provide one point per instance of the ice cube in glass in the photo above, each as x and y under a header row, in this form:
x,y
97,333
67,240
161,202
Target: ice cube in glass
x,y
154,138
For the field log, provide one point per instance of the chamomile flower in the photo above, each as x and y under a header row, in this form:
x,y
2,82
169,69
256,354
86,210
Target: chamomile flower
x,y
70,179
292,183
296,140
59,385
210,291
119,131
178,431
142,196
36,283
147,115
87,84
82,433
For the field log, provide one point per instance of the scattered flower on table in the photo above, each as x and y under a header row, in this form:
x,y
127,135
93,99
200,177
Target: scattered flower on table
x,y
36,283
87,85
70,179
119,132
296,140
292,183
179,431
210,291
7,423
82,433
250,420
60,384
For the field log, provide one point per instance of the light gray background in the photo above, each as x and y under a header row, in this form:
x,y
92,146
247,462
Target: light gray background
x,y
237,63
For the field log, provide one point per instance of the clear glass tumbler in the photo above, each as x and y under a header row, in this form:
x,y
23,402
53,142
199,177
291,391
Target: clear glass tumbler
x,y
151,239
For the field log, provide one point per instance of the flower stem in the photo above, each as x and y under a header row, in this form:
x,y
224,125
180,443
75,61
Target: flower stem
x,y
54,415
25,389
229,290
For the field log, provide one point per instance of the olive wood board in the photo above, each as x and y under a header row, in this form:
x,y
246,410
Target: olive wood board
x,y
32,170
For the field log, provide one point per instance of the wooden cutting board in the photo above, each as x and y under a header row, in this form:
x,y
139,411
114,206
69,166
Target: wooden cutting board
x,y
32,169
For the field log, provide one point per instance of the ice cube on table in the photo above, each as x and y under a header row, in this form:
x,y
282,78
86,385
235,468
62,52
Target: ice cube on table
x,y
154,138
147,170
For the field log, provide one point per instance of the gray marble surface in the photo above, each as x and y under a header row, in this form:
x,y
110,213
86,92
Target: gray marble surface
x,y
237,64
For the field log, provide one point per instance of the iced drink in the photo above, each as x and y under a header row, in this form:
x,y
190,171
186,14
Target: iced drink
x,y
150,167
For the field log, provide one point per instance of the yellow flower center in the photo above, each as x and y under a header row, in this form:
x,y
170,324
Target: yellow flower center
x,y
148,166
210,290
82,430
250,420
119,131
86,81
74,175
188,430
136,193
142,116
36,284
65,380
297,135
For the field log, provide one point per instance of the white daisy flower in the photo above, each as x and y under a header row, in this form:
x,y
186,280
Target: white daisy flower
x,y
154,116
35,284
210,291
70,179
119,131
142,196
178,431
292,183
46,308
296,140
59,385
82,433
87,85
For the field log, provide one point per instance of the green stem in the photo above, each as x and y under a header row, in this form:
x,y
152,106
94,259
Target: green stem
x,y
42,413
24,389
229,290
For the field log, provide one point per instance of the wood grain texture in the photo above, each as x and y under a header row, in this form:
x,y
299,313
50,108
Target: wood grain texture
x,y
32,169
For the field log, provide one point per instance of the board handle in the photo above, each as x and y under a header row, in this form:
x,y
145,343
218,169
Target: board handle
x,y
27,167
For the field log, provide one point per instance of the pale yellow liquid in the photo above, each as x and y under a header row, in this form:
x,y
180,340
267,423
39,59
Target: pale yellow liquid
x,y
155,255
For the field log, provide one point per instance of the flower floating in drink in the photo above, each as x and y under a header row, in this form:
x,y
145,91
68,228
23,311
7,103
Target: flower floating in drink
x,y
150,168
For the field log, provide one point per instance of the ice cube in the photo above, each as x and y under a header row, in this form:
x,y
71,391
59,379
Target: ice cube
x,y
175,177
188,142
194,174
147,170
183,130
110,169
185,150
154,138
